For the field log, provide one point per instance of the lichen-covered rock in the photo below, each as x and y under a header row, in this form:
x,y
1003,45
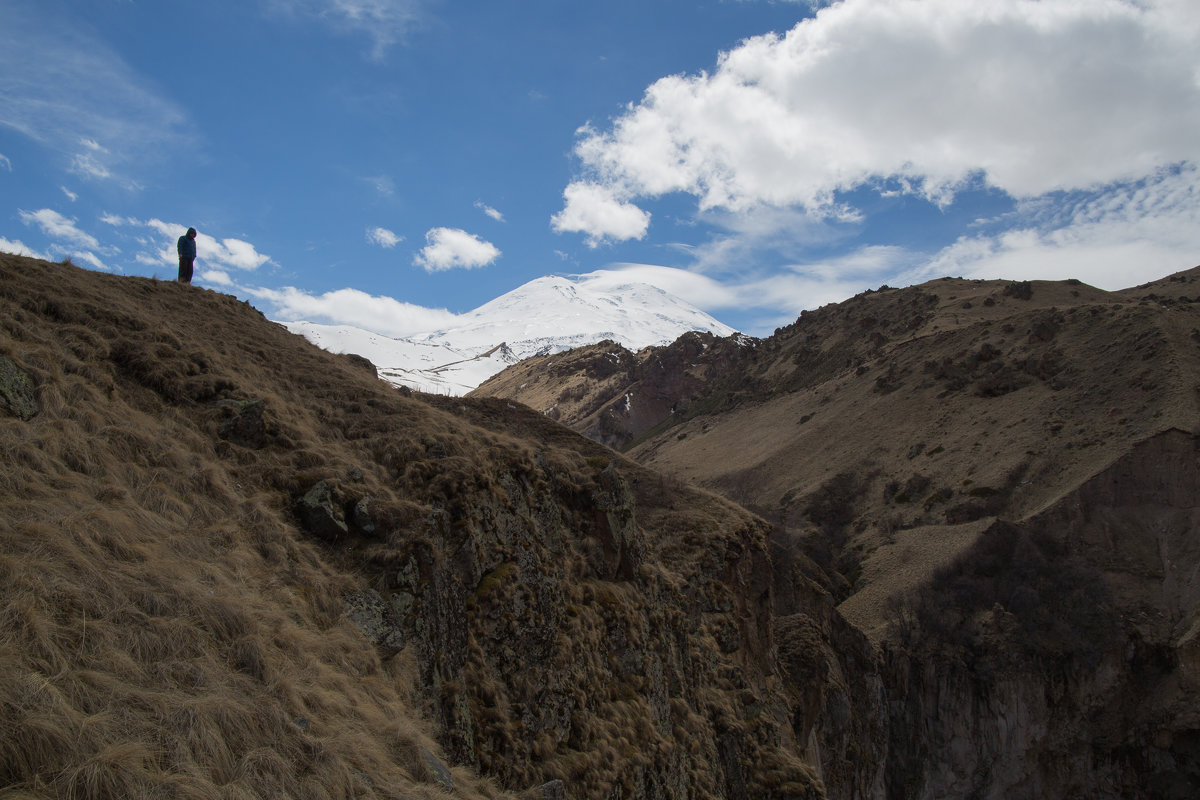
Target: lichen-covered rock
x,y
360,517
552,790
16,391
243,422
438,771
371,615
319,515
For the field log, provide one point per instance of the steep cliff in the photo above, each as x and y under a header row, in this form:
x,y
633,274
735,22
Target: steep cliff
x,y
993,482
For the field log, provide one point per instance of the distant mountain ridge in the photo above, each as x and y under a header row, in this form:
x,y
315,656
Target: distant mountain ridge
x,y
544,316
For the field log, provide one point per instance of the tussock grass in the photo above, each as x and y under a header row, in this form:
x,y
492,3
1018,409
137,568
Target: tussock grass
x,y
168,630
163,630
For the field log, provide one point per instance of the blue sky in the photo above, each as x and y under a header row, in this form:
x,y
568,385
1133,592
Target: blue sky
x,y
392,163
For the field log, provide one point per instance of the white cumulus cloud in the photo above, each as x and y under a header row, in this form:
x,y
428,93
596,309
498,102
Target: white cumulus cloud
x,y
929,94
383,237
597,211
211,252
451,248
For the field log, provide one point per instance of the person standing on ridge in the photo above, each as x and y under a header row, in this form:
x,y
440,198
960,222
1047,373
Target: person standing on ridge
x,y
187,255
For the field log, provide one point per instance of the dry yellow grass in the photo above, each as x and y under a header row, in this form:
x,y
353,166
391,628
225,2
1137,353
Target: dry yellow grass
x,y
168,629
163,631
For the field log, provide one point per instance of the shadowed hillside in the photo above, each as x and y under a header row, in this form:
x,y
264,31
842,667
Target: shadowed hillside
x,y
998,481
233,565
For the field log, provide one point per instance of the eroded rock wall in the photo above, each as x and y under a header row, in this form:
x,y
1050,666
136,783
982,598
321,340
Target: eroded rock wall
x,y
993,700
553,644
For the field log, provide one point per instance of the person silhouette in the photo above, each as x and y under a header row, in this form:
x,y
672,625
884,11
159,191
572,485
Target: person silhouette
x,y
187,255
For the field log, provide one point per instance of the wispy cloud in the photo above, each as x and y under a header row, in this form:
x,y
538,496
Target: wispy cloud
x,y
1112,240
452,248
91,161
491,212
88,257
382,184
699,290
56,226
69,91
383,237
769,299
116,220
5,164
20,248
384,22
68,238
70,195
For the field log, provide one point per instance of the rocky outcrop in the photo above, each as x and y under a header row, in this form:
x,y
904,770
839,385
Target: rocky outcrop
x,y
16,391
243,422
552,646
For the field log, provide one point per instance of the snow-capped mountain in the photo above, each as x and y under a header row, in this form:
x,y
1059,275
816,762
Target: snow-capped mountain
x,y
546,315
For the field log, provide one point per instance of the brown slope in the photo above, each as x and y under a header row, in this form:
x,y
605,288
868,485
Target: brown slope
x,y
955,389
235,565
1000,480
977,411
592,389
1178,287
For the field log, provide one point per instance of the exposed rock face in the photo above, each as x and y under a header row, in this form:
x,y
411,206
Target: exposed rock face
x,y
1057,657
16,391
560,619
543,626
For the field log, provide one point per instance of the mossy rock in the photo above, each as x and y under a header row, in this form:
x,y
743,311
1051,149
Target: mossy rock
x,y
16,391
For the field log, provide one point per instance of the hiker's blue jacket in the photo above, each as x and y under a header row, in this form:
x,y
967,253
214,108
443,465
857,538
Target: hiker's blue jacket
x,y
186,247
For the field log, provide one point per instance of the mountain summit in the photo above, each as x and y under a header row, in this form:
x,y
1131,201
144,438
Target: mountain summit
x,y
547,315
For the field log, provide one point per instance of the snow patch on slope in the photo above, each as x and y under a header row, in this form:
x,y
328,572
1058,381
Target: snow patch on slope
x,y
546,315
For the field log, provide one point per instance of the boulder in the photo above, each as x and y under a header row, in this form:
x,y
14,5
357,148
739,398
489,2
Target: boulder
x,y
16,391
318,515
243,422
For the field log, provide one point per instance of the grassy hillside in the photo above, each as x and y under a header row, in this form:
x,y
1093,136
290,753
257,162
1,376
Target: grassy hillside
x,y
235,566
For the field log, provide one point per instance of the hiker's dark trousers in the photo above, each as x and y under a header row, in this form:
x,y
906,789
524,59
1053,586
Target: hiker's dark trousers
x,y
185,269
